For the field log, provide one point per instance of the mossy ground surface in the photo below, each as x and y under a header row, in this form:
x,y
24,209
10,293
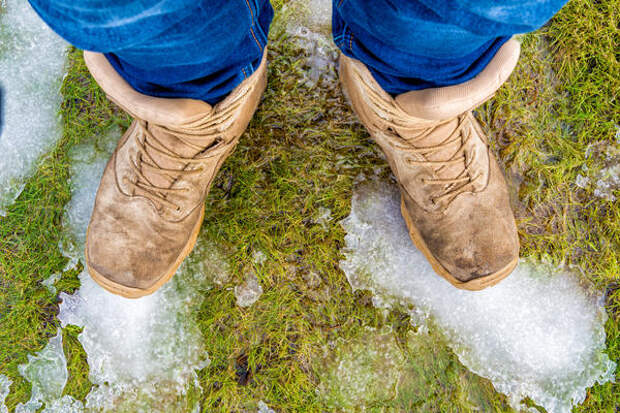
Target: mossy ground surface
x,y
554,120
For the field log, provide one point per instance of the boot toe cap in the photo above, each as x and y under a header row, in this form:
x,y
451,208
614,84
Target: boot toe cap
x,y
487,245
123,263
130,257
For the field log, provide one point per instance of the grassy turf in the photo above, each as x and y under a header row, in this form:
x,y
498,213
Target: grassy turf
x,y
301,153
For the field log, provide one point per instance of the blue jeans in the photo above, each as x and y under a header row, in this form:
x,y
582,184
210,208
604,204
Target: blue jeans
x,y
202,49
417,44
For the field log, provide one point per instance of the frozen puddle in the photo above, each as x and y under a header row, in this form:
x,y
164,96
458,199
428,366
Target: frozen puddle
x,y
143,354
537,334
32,60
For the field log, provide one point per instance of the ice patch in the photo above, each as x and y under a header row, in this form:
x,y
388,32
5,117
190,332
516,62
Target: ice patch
x,y
323,217
5,385
308,24
47,372
249,292
66,404
258,257
263,408
87,164
582,181
143,354
32,59
362,372
608,182
604,180
537,334
314,14
50,281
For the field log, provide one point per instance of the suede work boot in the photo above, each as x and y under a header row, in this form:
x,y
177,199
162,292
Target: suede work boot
x,y
150,202
454,197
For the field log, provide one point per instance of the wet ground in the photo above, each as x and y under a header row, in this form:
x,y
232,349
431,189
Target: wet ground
x,y
261,316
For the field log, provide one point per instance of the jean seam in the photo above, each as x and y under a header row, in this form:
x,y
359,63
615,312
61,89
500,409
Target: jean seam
x,y
253,24
351,37
261,35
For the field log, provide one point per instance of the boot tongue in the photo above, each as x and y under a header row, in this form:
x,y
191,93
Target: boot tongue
x,y
168,143
440,135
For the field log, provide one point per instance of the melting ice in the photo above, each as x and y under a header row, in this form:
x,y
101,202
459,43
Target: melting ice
x,y
5,385
308,23
263,408
538,333
32,59
47,372
249,292
358,373
142,353
50,281
323,217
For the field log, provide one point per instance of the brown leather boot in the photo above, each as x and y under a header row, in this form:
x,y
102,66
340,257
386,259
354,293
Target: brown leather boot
x,y
150,202
454,197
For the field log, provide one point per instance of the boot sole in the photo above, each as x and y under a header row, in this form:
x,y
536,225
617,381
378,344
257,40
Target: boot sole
x,y
476,284
132,292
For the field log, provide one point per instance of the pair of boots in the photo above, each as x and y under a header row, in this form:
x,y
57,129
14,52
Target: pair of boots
x,y
150,203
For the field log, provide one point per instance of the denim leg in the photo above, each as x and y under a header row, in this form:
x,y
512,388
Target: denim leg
x,y
418,44
200,49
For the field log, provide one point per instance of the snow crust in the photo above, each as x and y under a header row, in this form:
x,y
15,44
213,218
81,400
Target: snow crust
x,y
47,372
143,354
5,385
66,404
538,333
32,59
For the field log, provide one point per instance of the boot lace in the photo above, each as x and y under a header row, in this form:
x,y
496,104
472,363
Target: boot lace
x,y
450,187
211,126
398,120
